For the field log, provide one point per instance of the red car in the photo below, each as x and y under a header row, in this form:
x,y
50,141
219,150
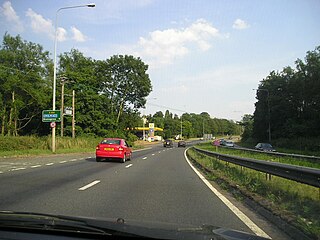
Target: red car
x,y
113,148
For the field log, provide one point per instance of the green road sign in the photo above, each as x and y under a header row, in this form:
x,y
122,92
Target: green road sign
x,y
51,116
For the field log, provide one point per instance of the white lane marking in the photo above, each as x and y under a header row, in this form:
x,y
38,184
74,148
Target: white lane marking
x,y
35,166
49,164
89,157
89,185
159,152
1,172
152,154
63,162
17,169
163,150
129,165
144,158
72,160
246,220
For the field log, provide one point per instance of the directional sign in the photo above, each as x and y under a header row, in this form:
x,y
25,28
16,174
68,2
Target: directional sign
x,y
51,116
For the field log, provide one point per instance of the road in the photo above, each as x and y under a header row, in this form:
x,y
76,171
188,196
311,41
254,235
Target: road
x,y
158,184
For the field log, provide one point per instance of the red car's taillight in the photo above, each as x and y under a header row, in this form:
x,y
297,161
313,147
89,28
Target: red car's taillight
x,y
97,147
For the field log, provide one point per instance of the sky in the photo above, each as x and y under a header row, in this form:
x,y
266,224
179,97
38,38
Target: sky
x,y
203,55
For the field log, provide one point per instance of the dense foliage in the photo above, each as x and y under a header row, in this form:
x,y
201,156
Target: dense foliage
x,y
108,92
193,125
290,101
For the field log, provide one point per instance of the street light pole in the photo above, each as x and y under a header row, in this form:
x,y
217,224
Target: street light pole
x,y
269,113
55,66
181,128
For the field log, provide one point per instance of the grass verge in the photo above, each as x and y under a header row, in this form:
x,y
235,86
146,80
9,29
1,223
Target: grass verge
x,y
261,156
32,145
296,203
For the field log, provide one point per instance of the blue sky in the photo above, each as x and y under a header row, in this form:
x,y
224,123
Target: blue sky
x,y
203,55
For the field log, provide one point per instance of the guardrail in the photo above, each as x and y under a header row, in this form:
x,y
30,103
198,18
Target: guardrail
x,y
310,176
312,158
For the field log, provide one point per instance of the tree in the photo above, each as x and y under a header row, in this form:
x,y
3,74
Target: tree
x,y
129,83
25,85
293,97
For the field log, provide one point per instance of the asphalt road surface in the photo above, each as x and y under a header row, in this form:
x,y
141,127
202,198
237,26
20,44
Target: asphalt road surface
x,y
158,184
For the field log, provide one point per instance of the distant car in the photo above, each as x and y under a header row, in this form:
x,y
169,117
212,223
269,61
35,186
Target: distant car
x,y
113,148
182,144
229,144
222,142
168,143
265,147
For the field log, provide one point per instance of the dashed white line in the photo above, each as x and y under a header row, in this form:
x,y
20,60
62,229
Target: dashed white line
x,y
72,160
49,164
35,166
152,154
1,172
63,162
129,165
17,169
163,150
159,152
258,231
144,158
89,185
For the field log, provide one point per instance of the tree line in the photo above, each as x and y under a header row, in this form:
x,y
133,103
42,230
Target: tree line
x,y
193,125
288,100
109,94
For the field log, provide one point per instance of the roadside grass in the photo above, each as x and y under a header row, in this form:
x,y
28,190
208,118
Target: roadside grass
x,y
31,145
297,203
261,156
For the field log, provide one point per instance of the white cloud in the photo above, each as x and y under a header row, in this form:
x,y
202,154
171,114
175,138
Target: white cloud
x,y
240,24
11,16
77,35
162,47
41,25
61,34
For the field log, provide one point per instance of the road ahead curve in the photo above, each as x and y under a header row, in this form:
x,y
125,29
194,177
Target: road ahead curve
x,y
156,185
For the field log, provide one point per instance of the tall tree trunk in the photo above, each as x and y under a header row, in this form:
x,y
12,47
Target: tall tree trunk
x,y
3,121
120,111
10,116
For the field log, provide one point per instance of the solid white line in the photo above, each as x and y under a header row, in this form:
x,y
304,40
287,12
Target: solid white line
x,y
49,164
129,165
17,169
63,162
144,158
89,185
258,231
35,166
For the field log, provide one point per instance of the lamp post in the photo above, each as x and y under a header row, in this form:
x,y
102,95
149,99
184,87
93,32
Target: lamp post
x,y
55,66
268,102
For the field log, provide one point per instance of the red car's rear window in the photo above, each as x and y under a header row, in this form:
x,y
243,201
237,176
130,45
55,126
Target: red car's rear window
x,y
111,141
